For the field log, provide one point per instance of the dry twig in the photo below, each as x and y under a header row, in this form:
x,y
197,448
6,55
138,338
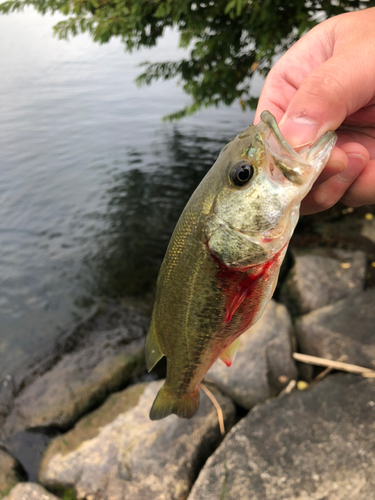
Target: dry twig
x,y
288,389
220,415
327,370
334,365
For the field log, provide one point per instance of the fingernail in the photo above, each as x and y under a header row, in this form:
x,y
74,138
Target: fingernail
x,y
356,164
299,130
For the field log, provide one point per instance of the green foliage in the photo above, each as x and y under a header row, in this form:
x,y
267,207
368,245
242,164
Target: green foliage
x,y
69,495
228,40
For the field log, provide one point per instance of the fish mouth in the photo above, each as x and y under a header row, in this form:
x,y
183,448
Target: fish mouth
x,y
299,168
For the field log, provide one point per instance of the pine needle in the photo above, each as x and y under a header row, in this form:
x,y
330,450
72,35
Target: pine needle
x,y
335,365
220,415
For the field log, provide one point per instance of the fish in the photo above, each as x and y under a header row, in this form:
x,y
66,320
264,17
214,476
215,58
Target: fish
x,y
223,260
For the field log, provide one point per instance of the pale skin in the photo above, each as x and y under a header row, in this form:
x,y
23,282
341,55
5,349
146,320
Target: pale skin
x,y
326,81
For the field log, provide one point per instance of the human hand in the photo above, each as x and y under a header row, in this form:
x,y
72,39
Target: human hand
x,y
326,81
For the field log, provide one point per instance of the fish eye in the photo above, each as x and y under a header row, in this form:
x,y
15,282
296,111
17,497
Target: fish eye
x,y
241,173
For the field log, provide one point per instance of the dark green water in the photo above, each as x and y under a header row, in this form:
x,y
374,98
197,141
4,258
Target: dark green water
x,y
91,181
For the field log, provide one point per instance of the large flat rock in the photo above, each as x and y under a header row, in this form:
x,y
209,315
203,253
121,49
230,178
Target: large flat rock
x,y
29,491
342,329
308,445
263,365
117,452
322,276
79,381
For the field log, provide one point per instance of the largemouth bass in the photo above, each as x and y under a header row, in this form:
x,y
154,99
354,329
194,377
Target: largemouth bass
x,y
224,257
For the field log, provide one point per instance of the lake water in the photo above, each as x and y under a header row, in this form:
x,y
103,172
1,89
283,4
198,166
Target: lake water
x,y
91,180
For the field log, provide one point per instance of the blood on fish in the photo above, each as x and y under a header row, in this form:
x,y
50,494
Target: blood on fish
x,y
266,240
244,284
241,290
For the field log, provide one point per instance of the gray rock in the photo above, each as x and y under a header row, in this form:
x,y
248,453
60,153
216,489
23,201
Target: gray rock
x,y
117,452
28,447
10,472
316,444
29,491
79,381
322,276
263,365
368,229
345,328
6,400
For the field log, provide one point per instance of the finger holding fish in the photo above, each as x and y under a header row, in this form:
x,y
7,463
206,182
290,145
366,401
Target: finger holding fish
x,y
338,161
338,187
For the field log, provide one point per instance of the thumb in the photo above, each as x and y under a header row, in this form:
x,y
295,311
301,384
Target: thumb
x,y
333,91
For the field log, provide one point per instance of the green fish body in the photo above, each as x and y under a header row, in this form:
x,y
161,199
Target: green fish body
x,y
223,260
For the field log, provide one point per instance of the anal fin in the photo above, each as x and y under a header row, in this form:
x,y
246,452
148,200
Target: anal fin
x,y
154,352
230,352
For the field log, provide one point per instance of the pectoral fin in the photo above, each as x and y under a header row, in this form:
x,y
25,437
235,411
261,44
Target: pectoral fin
x,y
154,352
230,352
242,289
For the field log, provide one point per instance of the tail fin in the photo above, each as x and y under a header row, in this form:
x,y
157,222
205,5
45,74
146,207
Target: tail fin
x,y
166,403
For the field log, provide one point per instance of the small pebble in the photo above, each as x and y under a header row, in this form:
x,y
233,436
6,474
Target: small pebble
x,y
302,385
348,210
345,265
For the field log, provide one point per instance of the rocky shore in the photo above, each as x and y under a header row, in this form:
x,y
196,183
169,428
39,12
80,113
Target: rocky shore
x,y
78,427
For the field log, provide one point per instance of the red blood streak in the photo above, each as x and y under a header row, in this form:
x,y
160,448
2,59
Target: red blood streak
x,y
241,290
239,284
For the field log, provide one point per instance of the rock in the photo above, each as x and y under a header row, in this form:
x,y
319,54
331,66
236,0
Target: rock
x,y
322,276
315,444
345,328
29,491
6,400
117,452
368,228
28,447
10,472
263,365
80,380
